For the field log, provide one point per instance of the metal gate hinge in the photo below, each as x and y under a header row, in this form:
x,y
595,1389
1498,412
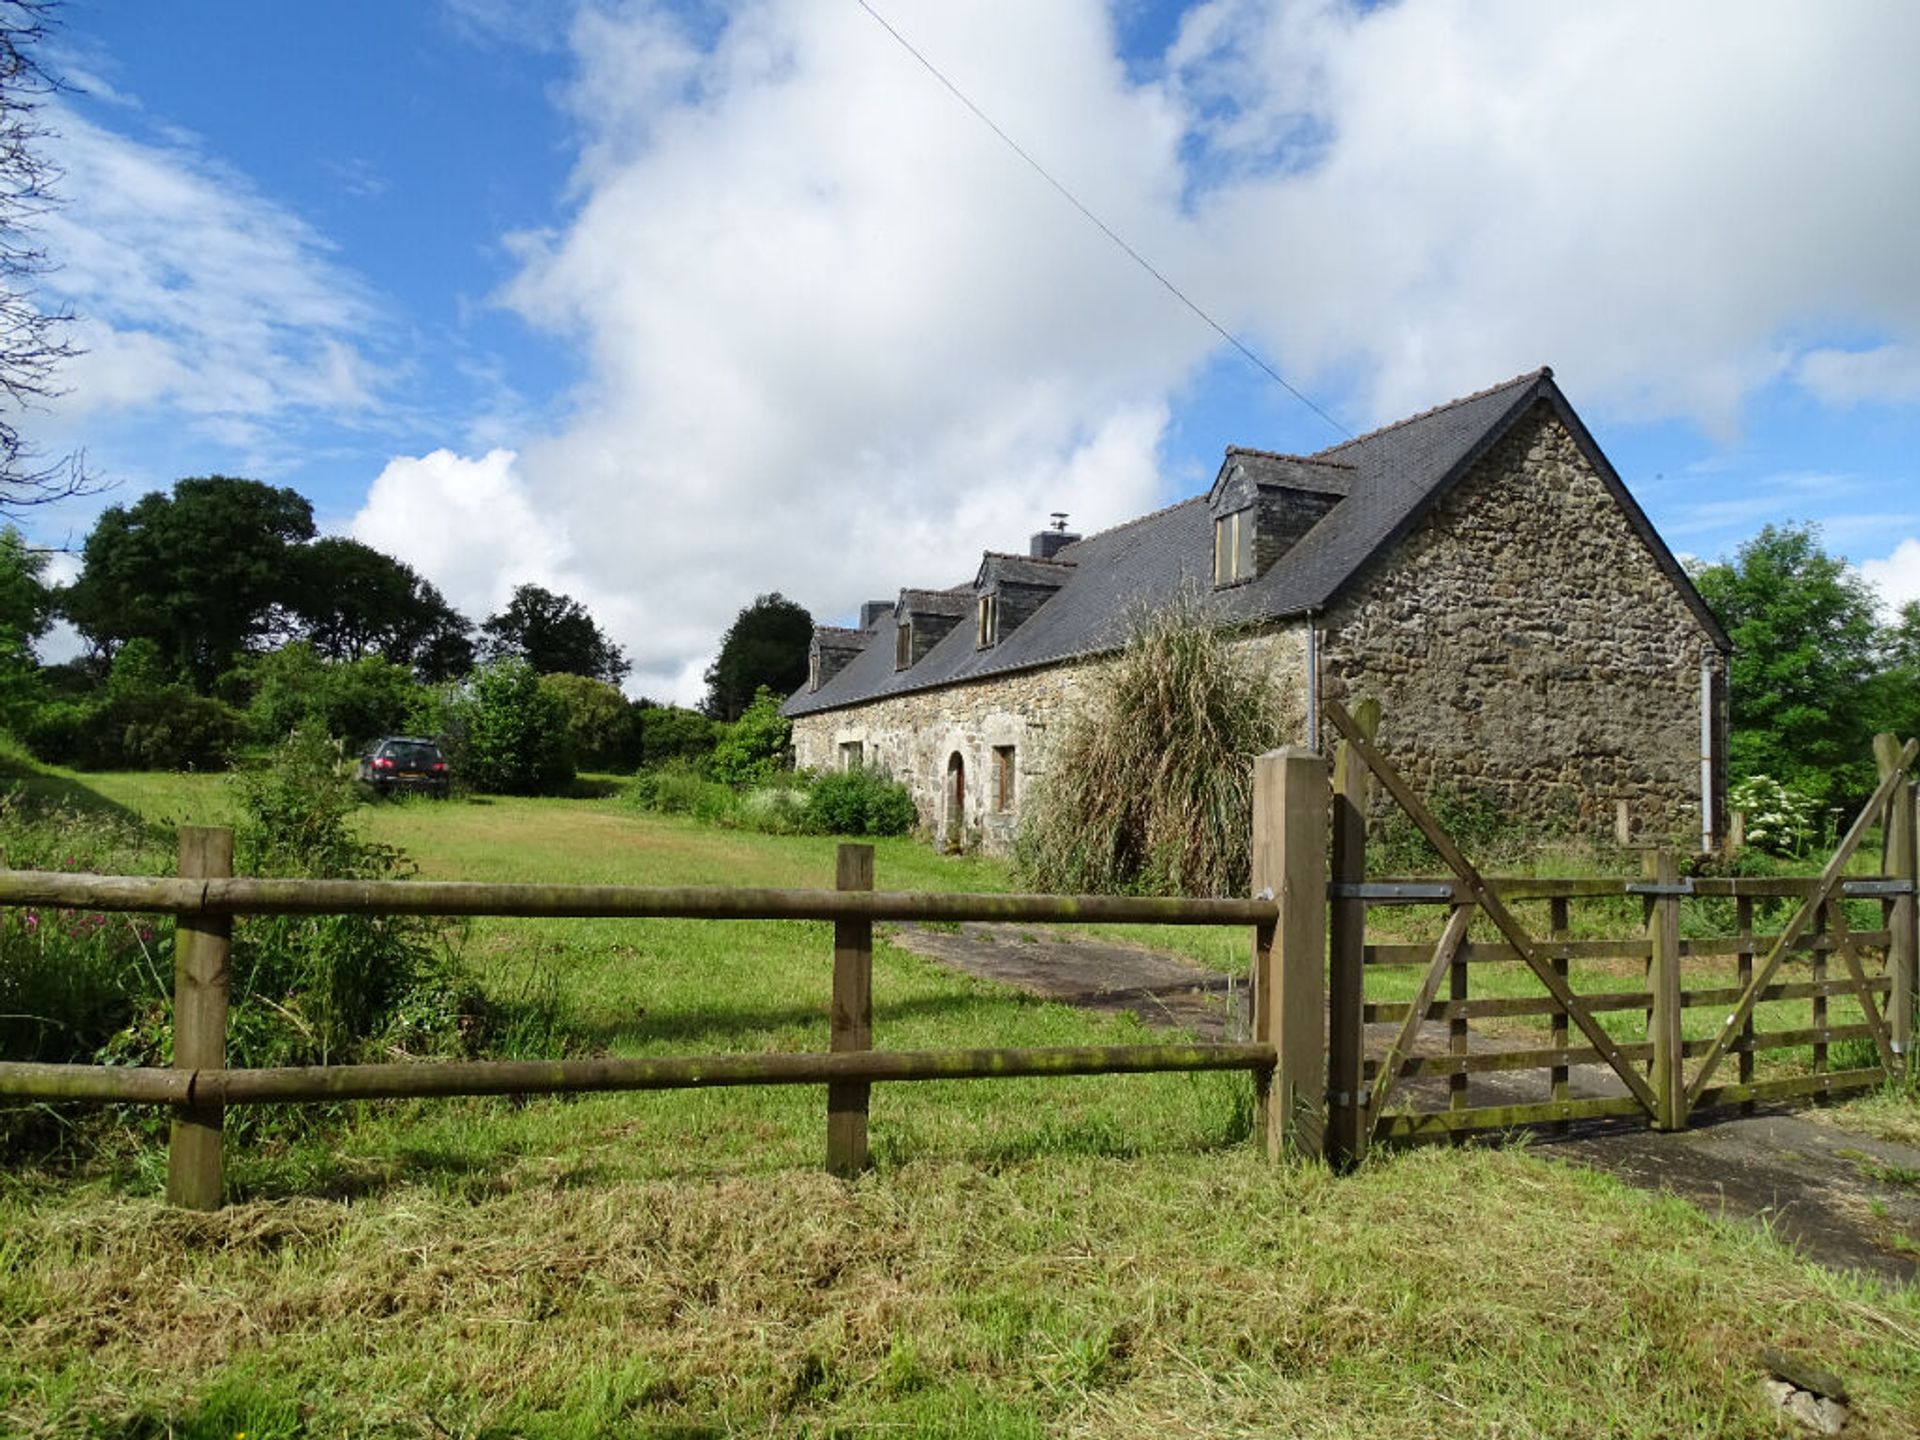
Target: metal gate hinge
x,y
1657,888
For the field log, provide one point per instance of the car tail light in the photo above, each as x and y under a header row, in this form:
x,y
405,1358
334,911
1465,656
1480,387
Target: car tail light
x,y
383,763
439,767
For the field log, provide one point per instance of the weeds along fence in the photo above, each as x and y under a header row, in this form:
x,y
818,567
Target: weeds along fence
x,y
206,896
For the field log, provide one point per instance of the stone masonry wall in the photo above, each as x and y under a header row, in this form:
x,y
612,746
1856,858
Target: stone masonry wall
x,y
1524,643
915,737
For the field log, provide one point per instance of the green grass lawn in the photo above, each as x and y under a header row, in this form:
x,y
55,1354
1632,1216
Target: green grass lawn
x,y
1087,1256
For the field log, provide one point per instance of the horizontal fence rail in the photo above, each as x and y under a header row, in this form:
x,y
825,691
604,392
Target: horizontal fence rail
x,y
244,896
296,1084
206,896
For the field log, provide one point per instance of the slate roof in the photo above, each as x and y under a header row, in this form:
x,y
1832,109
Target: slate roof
x,y
839,637
1022,569
1395,474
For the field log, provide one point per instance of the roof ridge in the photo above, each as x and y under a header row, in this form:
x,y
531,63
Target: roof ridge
x,y
839,630
1127,524
1545,372
1017,555
1297,459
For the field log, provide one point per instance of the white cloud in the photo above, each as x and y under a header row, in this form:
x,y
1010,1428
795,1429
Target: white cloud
x,y
1886,373
195,292
468,524
838,339
1655,199
1897,576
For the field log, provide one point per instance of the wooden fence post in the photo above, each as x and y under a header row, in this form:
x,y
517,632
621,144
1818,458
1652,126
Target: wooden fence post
x,y
203,950
852,1018
1348,1121
1663,932
1903,954
1290,993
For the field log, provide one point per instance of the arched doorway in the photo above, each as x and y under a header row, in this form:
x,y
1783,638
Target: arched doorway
x,y
956,800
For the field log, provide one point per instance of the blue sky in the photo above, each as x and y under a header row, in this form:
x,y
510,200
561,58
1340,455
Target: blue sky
x,y
666,305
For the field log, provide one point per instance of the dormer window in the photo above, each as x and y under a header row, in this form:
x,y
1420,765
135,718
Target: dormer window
x,y
1233,548
987,621
903,645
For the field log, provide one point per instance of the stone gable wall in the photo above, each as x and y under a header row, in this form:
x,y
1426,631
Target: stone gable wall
x,y
1524,643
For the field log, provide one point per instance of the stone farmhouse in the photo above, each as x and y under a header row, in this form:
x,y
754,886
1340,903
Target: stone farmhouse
x,y
1479,569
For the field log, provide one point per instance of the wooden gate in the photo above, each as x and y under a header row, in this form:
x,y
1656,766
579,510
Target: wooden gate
x,y
1537,1026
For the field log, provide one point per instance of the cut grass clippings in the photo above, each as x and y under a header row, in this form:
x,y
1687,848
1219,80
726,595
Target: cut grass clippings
x,y
1438,1292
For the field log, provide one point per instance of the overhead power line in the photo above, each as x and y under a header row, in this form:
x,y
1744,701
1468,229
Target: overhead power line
x,y
1104,228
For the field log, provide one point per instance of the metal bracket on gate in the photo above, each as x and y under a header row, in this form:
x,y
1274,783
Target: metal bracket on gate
x,y
1657,888
1862,889
1390,893
1342,1098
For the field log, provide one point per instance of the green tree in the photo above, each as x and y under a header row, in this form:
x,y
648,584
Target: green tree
x,y
1804,658
26,611
670,733
554,634
602,725
1895,702
512,732
205,573
353,601
766,645
353,701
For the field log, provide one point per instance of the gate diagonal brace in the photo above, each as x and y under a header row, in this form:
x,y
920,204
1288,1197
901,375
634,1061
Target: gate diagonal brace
x,y
1482,895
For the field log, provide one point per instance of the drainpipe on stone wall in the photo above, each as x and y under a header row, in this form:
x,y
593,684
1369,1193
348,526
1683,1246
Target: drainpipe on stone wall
x,y
1313,683
1706,752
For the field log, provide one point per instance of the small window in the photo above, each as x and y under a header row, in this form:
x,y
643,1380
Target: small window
x,y
852,754
988,628
903,645
1233,548
1003,777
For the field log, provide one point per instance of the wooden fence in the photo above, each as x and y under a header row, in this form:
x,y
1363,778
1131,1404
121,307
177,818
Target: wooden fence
x,y
206,896
1327,1060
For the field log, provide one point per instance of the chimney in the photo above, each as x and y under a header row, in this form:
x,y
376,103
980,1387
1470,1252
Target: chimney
x,y
871,612
1050,541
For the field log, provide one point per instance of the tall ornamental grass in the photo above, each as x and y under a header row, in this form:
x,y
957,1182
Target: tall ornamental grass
x,y
1150,788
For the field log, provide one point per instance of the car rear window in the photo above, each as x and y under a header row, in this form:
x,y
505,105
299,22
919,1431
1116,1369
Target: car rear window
x,y
413,757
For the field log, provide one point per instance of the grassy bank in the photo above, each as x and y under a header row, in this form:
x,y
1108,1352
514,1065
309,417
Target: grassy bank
x,y
1089,1256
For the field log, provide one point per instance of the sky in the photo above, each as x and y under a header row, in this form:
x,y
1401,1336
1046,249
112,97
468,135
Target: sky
x,y
669,305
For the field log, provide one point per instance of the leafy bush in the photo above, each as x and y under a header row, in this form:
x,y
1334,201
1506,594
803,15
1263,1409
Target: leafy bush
x,y
355,701
512,733
319,989
860,802
164,728
753,748
1780,818
602,725
1151,786
669,733
678,788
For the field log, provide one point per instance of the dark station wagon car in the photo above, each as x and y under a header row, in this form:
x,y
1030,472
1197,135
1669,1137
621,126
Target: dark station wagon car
x,y
403,762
